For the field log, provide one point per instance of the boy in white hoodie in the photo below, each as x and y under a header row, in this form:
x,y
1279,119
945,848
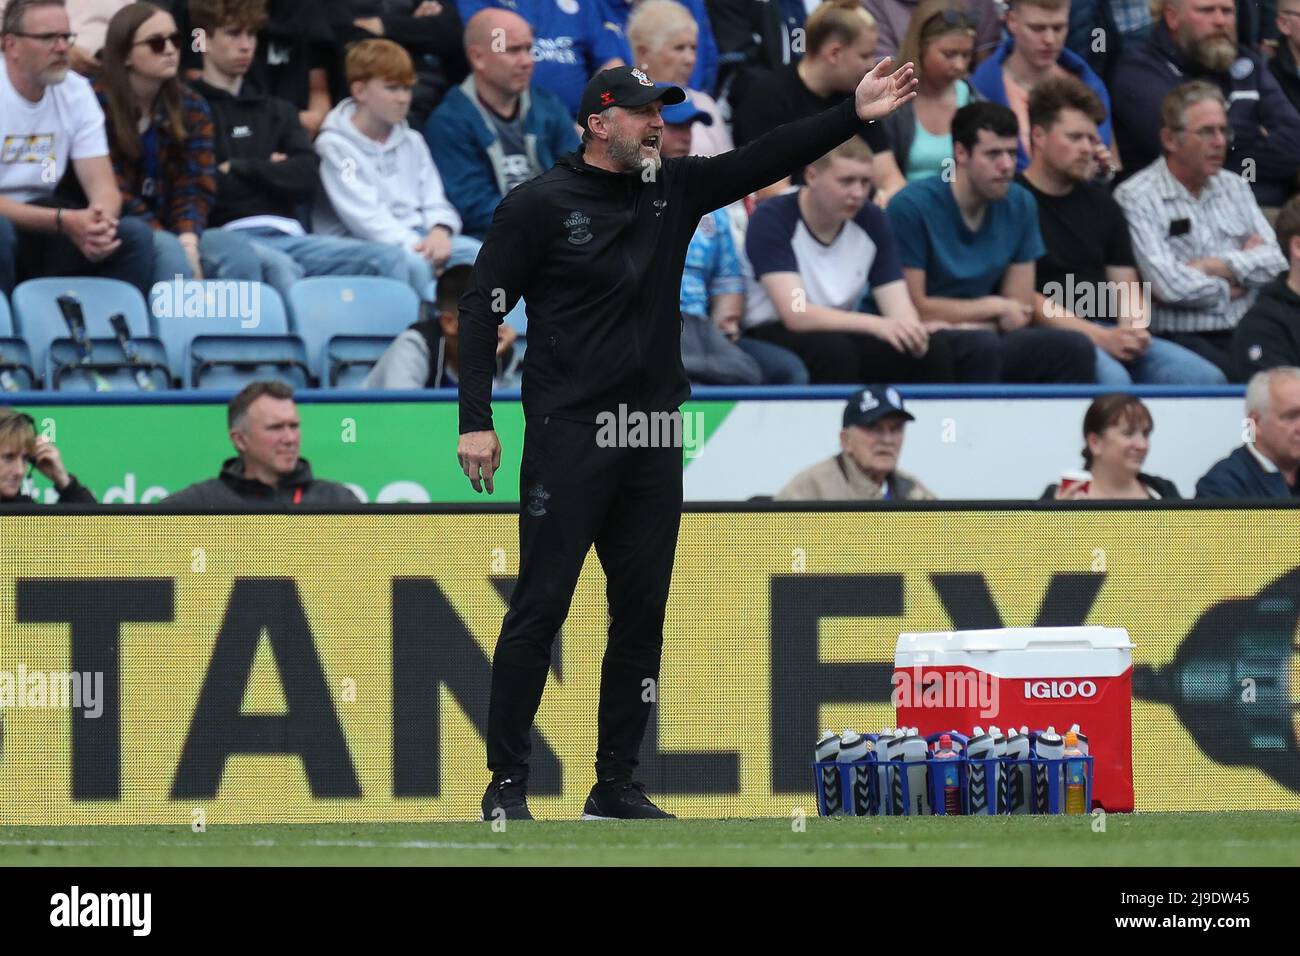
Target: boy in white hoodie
x,y
378,181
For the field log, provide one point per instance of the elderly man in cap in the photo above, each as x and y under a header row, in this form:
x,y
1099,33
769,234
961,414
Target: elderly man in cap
x,y
866,469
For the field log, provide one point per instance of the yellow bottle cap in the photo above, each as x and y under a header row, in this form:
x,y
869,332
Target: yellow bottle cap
x,y
1071,739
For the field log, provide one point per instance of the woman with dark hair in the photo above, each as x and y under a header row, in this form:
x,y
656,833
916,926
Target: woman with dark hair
x,y
940,40
1116,434
160,141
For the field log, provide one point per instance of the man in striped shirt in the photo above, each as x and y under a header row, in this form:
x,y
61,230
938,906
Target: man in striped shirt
x,y
1199,236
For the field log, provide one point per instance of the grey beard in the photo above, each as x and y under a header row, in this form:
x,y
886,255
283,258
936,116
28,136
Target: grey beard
x,y
627,154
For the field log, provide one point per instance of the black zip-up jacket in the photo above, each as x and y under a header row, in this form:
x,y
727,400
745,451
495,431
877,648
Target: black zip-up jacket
x,y
232,487
597,256
1269,334
246,130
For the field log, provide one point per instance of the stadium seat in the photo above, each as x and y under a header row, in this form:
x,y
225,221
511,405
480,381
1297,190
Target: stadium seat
x,y
15,357
104,365
346,322
225,334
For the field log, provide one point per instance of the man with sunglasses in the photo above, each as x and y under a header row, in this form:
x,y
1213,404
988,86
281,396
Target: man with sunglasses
x,y
1199,236
49,119
21,451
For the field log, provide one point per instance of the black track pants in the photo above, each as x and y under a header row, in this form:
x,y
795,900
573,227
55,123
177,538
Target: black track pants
x,y
573,494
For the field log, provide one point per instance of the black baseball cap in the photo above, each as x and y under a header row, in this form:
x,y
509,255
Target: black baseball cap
x,y
624,86
870,404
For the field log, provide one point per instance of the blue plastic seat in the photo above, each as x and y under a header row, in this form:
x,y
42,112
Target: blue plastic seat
x,y
16,371
227,333
57,360
346,323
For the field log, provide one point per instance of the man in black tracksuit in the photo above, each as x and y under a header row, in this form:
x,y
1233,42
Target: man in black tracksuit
x,y
596,246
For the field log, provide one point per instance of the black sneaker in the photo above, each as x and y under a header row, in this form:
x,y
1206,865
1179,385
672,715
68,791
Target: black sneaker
x,y
622,801
509,794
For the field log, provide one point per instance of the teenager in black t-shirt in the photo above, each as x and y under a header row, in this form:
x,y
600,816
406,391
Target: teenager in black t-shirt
x,y
1088,281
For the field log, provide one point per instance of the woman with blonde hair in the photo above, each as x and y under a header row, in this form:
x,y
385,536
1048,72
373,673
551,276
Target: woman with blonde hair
x,y
940,42
21,451
664,39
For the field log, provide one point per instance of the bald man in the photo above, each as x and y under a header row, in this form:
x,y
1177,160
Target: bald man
x,y
496,130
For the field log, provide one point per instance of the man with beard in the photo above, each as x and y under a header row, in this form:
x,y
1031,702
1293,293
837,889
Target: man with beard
x,y
596,246
1197,40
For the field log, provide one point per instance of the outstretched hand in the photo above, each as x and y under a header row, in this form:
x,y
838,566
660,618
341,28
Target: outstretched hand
x,y
881,92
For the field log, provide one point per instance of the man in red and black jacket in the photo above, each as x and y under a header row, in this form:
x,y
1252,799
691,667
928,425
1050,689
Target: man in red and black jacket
x,y
595,246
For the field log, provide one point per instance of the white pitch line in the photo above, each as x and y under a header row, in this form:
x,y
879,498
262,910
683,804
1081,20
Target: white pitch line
x,y
448,845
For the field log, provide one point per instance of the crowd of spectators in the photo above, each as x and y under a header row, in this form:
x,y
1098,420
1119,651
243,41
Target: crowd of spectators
x,y
1043,211
1083,191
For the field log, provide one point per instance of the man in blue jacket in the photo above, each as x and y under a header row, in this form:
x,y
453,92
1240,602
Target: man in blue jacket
x,y
1034,51
495,130
571,42
1266,466
1197,40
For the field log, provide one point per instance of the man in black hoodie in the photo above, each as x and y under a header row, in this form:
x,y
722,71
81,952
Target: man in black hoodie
x,y
265,430
596,246
266,165
1269,334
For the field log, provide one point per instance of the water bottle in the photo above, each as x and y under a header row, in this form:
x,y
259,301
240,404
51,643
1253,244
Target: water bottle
x,y
888,778
828,751
1016,779
853,748
951,775
912,750
1076,773
978,749
1047,747
999,752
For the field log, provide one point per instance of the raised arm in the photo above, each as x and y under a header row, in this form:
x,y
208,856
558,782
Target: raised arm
x,y
719,180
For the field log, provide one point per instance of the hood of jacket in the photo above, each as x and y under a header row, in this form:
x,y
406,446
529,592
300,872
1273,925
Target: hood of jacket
x,y
338,122
232,474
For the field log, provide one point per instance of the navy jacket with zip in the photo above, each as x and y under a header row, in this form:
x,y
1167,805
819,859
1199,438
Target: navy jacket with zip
x,y
597,256
1265,124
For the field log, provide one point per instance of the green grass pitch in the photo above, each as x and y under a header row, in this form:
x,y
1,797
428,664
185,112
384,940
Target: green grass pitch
x,y
1148,839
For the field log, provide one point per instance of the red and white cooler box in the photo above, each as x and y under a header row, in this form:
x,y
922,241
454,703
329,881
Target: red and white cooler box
x,y
1027,676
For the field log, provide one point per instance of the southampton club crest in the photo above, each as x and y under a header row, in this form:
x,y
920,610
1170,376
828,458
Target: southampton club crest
x,y
578,226
537,496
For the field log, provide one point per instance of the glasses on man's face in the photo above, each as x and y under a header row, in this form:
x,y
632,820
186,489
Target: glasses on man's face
x,y
158,44
1207,134
49,39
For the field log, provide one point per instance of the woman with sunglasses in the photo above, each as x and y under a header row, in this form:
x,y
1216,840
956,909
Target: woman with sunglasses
x,y
20,450
941,41
160,140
